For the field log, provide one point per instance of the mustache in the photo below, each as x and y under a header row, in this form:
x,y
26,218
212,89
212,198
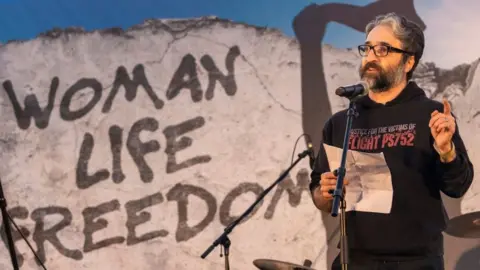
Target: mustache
x,y
372,65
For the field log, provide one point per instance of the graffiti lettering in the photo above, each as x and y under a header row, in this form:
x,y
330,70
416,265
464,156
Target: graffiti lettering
x,y
131,140
137,150
91,226
187,68
294,191
20,213
180,193
131,86
185,77
174,145
84,180
81,84
134,219
225,208
136,215
214,74
32,108
41,235
115,134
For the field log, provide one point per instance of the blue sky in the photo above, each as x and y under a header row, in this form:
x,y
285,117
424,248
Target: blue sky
x,y
445,39
24,19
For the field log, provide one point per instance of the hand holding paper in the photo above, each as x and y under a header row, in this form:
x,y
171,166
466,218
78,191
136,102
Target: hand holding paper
x,y
328,182
369,180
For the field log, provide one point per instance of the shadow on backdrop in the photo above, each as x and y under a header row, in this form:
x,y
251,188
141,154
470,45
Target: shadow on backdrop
x,y
309,27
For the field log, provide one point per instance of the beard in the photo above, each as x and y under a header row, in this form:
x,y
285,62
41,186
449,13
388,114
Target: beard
x,y
383,79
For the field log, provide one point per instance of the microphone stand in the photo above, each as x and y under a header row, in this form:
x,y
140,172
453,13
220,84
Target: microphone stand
x,y
339,192
8,230
6,219
223,238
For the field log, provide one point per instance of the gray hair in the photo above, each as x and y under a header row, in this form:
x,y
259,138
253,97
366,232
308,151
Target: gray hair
x,y
409,33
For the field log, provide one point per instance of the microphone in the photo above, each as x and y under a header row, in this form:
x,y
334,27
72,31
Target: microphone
x,y
311,155
353,91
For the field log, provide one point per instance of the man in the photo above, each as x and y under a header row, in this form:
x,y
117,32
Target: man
x,y
422,147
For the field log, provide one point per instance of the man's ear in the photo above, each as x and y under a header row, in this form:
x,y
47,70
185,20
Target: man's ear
x,y
409,63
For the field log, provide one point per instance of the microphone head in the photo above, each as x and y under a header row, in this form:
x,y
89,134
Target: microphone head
x,y
353,91
340,91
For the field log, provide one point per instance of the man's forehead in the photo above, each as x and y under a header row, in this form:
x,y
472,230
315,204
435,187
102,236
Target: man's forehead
x,y
382,42
382,35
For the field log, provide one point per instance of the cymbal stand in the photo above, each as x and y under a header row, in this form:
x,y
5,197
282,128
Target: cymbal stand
x,y
223,238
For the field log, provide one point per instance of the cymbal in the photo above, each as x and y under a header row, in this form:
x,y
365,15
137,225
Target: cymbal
x,y
465,226
266,264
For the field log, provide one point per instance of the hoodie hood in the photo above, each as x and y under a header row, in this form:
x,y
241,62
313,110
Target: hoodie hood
x,y
411,92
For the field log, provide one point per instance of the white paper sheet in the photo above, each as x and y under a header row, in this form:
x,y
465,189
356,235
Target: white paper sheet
x,y
370,182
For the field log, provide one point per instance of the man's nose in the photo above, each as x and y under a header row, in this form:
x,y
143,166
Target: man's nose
x,y
371,56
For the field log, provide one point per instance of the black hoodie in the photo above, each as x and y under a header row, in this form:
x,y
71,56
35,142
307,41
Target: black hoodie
x,y
400,130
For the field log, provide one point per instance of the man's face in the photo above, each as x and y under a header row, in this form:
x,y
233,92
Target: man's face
x,y
382,72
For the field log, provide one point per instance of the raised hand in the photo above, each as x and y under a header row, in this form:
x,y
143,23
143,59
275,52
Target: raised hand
x,y
442,126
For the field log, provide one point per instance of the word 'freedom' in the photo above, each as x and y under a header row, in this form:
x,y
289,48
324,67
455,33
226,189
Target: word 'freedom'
x,y
137,214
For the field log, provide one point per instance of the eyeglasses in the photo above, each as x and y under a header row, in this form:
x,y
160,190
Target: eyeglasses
x,y
380,50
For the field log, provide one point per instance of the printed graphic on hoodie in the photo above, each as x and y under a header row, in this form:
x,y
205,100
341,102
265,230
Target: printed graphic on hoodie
x,y
382,137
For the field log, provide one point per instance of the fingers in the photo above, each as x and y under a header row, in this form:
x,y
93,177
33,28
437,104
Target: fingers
x,y
326,191
447,112
328,178
327,196
439,118
440,122
327,188
435,118
328,183
328,175
441,126
447,109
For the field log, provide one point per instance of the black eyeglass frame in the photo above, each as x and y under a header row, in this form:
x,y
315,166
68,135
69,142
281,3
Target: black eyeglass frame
x,y
374,48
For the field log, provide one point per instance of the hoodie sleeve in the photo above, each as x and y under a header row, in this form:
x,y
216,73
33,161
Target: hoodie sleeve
x,y
321,162
456,176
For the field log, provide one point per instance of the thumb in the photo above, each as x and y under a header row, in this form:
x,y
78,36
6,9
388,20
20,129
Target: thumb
x,y
447,109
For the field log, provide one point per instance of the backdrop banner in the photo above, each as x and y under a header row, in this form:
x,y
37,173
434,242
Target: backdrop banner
x,y
133,149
